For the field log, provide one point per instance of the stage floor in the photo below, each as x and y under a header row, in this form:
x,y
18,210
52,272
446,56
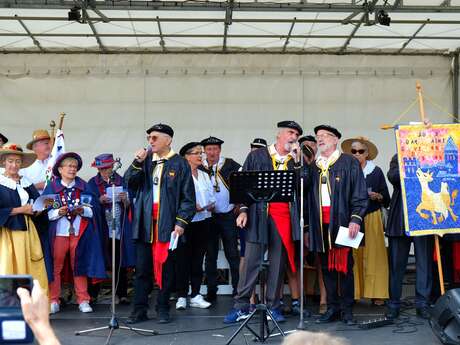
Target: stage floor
x,y
202,327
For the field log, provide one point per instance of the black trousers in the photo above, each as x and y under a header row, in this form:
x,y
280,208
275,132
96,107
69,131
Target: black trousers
x,y
399,248
143,282
223,225
189,259
334,281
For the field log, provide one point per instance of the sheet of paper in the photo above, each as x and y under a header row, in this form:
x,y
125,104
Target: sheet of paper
x,y
43,202
118,190
344,240
173,241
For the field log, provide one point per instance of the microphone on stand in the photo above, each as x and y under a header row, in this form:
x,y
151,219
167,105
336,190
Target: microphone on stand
x,y
117,165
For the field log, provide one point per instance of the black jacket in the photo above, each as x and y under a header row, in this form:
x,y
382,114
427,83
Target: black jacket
x,y
260,160
349,198
395,223
177,197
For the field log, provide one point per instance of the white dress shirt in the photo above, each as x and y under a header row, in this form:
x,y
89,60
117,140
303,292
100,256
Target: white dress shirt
x,y
36,173
324,163
223,204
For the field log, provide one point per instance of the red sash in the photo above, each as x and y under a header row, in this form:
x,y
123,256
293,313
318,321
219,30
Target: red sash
x,y
279,211
159,249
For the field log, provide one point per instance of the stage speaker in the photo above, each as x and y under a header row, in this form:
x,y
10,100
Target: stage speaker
x,y
445,317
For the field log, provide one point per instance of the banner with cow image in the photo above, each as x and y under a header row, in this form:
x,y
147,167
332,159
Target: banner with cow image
x,y
430,181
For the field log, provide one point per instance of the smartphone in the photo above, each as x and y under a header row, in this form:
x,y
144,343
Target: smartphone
x,y
13,328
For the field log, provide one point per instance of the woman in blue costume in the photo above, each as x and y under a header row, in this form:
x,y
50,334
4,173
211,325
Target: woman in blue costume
x,y
124,248
74,231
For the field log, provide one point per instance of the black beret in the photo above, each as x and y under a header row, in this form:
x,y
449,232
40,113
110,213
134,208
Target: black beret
x,y
187,147
329,129
211,141
307,138
290,124
3,138
259,142
162,128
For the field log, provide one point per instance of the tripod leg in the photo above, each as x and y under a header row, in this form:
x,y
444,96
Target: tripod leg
x,y
109,336
275,323
151,331
244,324
92,330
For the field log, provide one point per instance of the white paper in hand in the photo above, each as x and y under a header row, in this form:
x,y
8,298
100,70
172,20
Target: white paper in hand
x,y
344,239
173,241
43,202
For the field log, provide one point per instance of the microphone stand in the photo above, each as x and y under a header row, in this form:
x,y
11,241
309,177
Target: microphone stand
x,y
113,323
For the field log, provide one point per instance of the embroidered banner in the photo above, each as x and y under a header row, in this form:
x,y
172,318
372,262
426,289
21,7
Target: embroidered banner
x,y
430,181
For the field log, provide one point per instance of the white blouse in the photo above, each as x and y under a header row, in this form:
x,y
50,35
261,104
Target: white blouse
x,y
204,193
19,186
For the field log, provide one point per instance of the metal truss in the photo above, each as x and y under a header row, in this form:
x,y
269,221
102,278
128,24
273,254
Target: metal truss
x,y
357,13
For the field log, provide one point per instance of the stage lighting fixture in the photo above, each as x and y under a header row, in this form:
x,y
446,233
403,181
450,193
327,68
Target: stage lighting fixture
x,y
383,18
74,14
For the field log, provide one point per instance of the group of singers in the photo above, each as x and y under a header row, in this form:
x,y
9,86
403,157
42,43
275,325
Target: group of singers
x,y
171,211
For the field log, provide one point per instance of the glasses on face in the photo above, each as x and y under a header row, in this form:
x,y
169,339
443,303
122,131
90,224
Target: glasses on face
x,y
353,151
324,135
197,153
70,166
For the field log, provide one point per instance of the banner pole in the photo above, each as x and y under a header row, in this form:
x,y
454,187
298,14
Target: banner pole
x,y
418,87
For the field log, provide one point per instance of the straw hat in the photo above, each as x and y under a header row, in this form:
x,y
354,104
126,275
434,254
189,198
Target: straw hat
x,y
38,134
15,149
371,148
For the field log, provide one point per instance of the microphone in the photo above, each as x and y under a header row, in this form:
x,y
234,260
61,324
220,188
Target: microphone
x,y
117,165
308,151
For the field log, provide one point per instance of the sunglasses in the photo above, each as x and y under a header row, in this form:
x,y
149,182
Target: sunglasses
x,y
353,151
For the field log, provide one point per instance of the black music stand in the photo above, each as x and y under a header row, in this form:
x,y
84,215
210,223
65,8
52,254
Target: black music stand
x,y
246,188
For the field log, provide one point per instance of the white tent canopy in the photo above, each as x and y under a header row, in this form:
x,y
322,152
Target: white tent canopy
x,y
417,26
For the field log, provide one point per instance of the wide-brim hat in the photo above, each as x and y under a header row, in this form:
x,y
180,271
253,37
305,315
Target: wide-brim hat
x,y
329,129
3,139
14,149
59,160
37,135
103,161
371,148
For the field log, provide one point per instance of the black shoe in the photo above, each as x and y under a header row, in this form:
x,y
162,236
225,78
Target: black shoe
x,y
330,315
211,296
348,320
392,313
424,313
163,317
137,317
295,310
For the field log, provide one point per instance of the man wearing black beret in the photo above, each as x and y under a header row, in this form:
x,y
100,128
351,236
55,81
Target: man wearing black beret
x,y
223,217
283,226
336,196
165,204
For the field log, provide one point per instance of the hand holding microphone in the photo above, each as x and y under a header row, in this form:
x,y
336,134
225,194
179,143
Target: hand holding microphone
x,y
295,151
